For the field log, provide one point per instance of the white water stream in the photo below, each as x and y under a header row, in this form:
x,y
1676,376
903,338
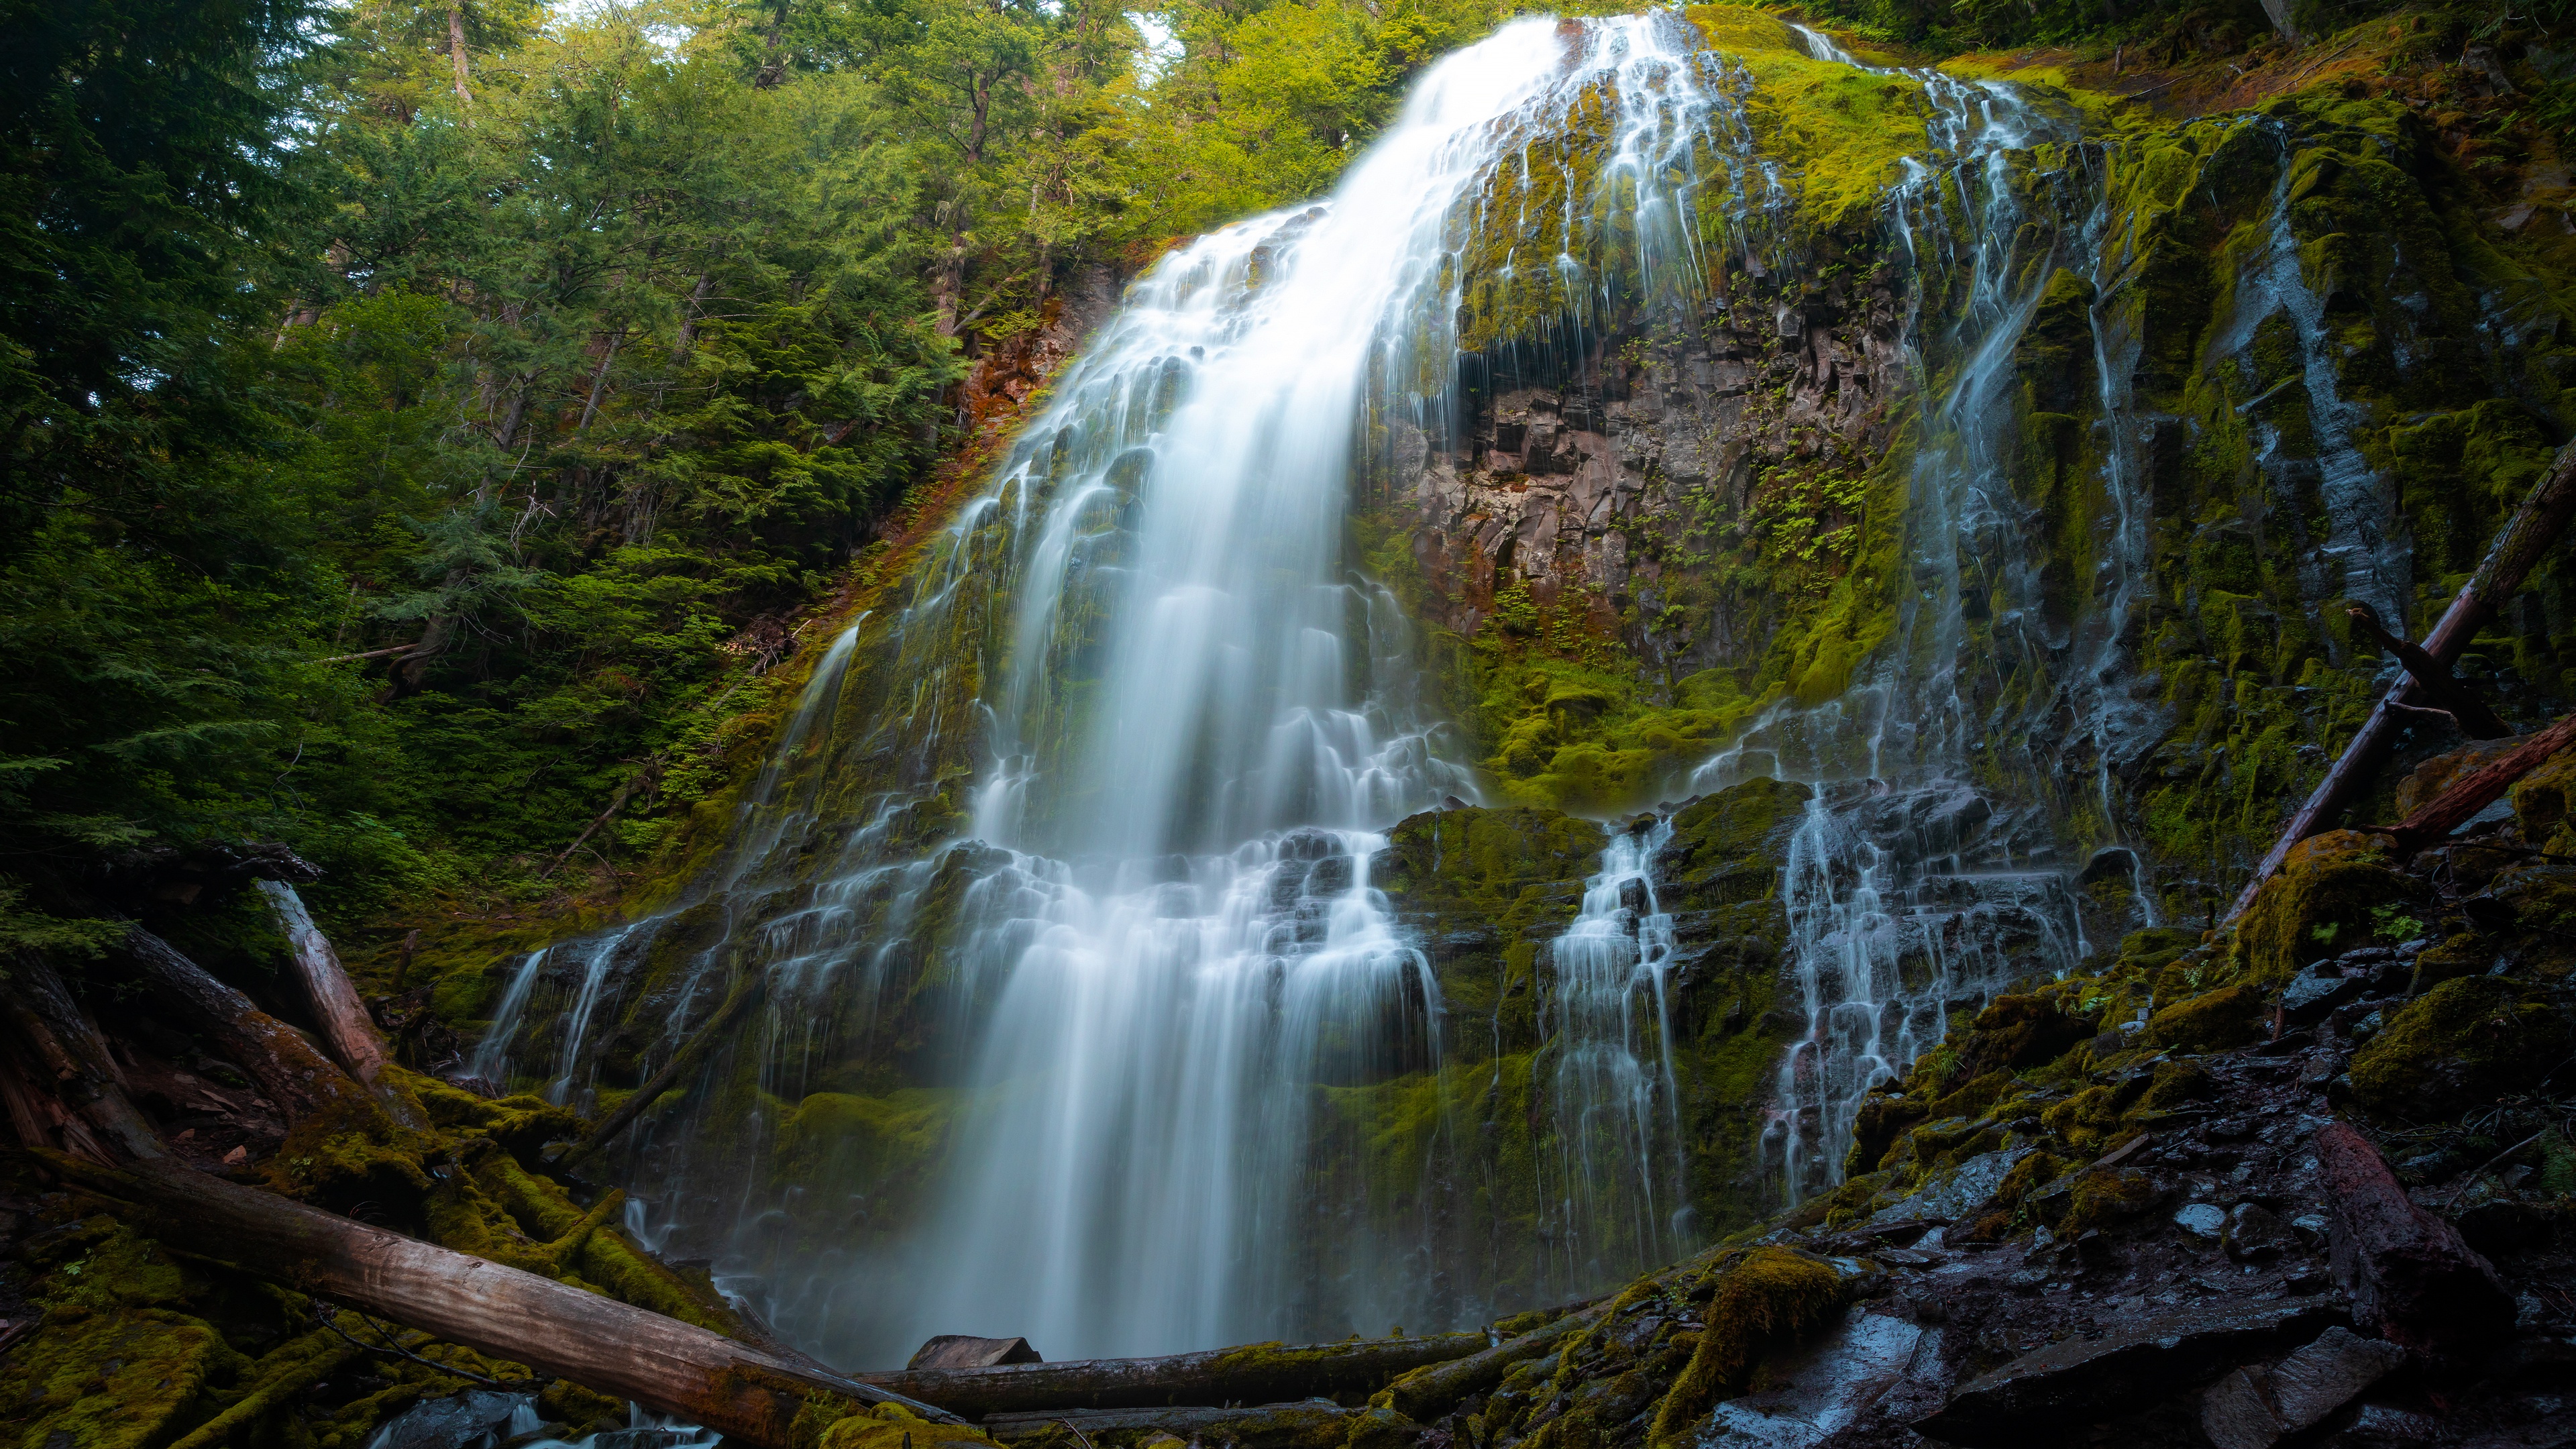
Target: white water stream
x,y
1193,721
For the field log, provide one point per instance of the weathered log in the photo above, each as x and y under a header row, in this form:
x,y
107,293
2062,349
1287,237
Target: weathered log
x,y
348,1033
2477,790
1308,1425
1258,1373
296,1076
1425,1392
746,994
66,1088
2433,679
604,1345
2517,549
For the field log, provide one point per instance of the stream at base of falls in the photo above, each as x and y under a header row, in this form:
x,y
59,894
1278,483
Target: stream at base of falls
x,y
1084,831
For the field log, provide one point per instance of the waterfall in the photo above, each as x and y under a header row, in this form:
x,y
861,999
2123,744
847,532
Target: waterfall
x,y
1617,1128
1061,863
1921,876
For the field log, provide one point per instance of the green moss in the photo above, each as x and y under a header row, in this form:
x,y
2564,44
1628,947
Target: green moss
x,y
2321,902
1763,1296
2464,1041
2105,1196
2212,1021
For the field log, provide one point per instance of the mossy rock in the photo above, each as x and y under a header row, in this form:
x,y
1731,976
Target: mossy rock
x,y
2464,1042
2321,902
2103,1197
2463,954
1883,1117
1763,1296
351,1155
2016,1032
2231,1016
2544,799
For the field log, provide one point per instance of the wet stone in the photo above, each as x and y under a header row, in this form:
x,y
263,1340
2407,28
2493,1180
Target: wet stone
x,y
1804,1397
2255,1234
468,1419
2252,1408
2317,991
2201,1223
2081,1381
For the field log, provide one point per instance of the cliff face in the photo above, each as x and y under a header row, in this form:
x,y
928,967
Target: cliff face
x,y
1953,572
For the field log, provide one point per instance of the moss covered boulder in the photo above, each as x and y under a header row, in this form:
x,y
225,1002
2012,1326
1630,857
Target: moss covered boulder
x,y
2212,1021
2464,1041
2322,901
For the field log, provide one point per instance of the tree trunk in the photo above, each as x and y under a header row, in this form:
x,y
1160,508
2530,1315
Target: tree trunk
x,y
746,995
456,51
2525,537
603,1345
63,1087
2432,679
348,1033
297,1078
2477,790
1426,1392
1260,1373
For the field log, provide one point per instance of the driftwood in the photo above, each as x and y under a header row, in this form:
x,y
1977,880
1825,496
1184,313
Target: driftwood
x,y
62,1085
1260,1373
746,994
2432,679
348,1033
604,1345
2477,790
2516,551
295,1076
1308,1425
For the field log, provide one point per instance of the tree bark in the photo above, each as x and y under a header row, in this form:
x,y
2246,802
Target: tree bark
x,y
2476,790
66,1089
456,52
348,1033
295,1076
746,994
2516,550
604,1345
1260,1373
1425,1392
2432,679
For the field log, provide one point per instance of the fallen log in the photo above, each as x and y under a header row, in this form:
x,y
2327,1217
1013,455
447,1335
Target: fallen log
x,y
604,1345
348,1033
746,994
63,1087
2475,791
1308,1425
1426,1392
2518,547
1258,1373
298,1078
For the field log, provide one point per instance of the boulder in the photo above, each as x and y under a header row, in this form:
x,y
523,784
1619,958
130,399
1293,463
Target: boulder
x,y
2254,1408
2040,1396
1816,1389
2411,1277
2255,1234
2317,990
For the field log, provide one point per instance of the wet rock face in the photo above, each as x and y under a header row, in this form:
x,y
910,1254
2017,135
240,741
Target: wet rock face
x,y
1574,472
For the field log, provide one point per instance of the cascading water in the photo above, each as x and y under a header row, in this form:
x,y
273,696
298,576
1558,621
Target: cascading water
x,y
1142,681
1913,884
1078,831
1617,1146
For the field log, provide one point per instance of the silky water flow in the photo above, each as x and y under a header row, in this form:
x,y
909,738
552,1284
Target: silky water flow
x,y
1091,810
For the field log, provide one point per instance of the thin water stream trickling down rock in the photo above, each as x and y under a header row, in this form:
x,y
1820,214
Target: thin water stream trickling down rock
x,y
1184,904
